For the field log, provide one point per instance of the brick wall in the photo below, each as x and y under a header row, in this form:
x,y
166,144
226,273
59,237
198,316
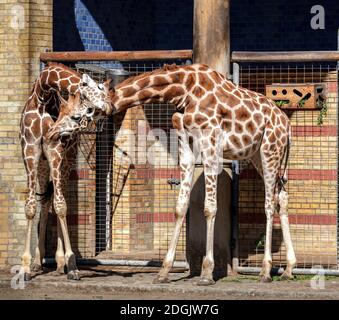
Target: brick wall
x,y
19,48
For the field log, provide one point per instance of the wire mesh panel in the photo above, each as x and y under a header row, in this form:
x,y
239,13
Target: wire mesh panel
x,y
123,179
312,173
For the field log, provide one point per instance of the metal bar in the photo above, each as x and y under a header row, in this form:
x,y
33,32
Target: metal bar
x,y
114,262
337,158
235,195
312,271
284,56
72,56
234,216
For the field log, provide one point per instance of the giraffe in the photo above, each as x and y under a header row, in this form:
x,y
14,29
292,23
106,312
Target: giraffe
x,y
223,120
45,157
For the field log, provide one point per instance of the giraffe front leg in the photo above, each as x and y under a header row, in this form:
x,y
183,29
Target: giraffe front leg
x,y
211,170
187,162
40,249
54,156
45,191
31,159
61,211
283,214
60,253
30,211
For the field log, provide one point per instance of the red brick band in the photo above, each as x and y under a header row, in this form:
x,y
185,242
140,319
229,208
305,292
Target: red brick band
x,y
314,131
295,174
298,219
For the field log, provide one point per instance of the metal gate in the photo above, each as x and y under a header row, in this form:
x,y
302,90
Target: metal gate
x,y
312,173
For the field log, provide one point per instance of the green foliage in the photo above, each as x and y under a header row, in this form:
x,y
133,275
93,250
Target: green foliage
x,y
321,104
280,103
302,102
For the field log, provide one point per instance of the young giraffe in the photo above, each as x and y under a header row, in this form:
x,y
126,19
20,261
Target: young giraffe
x,y
44,157
224,120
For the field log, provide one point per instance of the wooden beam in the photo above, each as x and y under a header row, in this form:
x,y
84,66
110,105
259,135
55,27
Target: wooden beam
x,y
74,56
211,34
285,56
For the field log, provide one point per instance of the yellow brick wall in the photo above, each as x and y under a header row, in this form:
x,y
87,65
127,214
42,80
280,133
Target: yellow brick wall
x,y
20,44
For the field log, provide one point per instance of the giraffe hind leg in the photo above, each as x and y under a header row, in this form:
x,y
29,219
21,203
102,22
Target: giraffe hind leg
x,y
283,214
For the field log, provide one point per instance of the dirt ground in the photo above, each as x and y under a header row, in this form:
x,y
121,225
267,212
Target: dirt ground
x,y
101,283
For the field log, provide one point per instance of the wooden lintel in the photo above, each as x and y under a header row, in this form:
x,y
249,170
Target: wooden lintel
x,y
285,56
74,56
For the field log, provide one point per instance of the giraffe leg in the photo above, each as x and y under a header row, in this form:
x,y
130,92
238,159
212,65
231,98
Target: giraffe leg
x,y
270,173
65,171
60,253
60,207
43,179
210,160
283,214
187,162
32,153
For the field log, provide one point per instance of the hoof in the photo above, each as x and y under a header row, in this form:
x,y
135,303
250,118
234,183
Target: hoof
x,y
60,271
36,267
264,279
205,282
73,275
158,280
27,276
286,276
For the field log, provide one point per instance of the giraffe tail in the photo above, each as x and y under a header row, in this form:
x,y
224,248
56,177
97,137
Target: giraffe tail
x,y
284,178
48,193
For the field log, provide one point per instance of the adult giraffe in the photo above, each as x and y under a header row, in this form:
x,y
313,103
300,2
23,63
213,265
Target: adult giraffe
x,y
46,158
224,120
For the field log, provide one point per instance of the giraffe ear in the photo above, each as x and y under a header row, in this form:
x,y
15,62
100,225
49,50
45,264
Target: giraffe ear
x,y
109,83
88,81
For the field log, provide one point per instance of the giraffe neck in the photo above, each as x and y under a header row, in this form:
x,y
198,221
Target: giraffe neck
x,y
167,85
56,77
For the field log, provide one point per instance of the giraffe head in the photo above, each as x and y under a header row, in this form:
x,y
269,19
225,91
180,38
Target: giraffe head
x,y
90,102
93,95
65,126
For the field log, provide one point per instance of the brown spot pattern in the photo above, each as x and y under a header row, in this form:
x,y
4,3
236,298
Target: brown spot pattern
x,y
198,91
205,82
242,114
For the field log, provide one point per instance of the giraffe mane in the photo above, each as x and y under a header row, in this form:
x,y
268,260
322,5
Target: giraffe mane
x,y
130,80
170,67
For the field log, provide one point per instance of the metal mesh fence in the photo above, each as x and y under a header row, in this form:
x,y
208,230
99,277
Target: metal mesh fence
x,y
312,174
123,191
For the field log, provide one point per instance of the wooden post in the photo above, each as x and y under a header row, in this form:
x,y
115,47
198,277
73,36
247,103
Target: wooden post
x,y
211,47
211,34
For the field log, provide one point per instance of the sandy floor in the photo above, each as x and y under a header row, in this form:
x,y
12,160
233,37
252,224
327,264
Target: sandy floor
x,y
125,283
